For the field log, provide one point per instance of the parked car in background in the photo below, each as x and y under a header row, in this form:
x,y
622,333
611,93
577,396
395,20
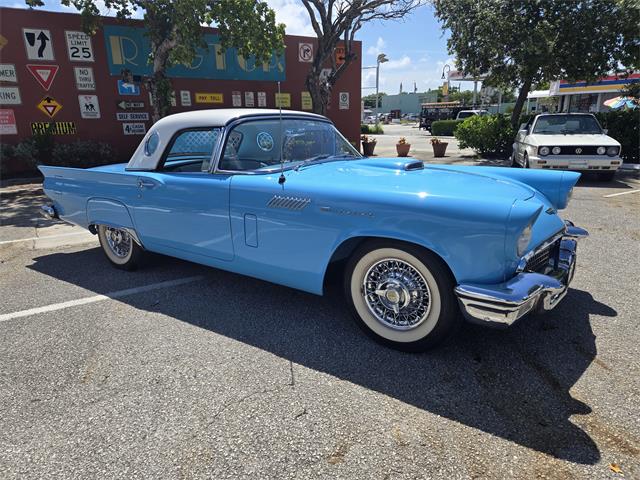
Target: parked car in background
x,y
462,114
284,197
566,141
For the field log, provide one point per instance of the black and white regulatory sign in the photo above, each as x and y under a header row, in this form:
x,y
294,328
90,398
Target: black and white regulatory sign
x,y
79,47
89,106
134,128
38,44
84,78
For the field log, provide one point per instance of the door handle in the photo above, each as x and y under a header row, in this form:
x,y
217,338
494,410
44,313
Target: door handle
x,y
142,183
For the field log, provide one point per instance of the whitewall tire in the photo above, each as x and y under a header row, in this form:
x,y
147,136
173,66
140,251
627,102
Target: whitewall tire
x,y
119,247
401,295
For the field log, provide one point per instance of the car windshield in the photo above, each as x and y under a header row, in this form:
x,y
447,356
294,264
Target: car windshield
x,y
567,125
256,145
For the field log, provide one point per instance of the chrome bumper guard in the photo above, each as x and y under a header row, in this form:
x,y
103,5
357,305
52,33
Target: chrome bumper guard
x,y
504,303
48,212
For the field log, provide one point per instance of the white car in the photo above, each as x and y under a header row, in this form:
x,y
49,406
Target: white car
x,y
566,141
462,114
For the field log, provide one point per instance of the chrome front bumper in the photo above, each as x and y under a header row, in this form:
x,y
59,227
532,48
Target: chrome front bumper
x,y
504,303
48,212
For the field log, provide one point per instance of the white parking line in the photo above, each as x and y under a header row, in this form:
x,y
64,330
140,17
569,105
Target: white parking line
x,y
31,239
98,298
621,193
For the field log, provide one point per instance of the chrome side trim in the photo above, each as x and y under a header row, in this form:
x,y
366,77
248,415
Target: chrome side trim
x,y
288,203
504,303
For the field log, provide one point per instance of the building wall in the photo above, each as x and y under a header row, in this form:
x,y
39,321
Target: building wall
x,y
21,30
406,102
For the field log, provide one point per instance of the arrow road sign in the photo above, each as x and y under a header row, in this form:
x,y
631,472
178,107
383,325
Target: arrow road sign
x,y
49,106
38,44
126,105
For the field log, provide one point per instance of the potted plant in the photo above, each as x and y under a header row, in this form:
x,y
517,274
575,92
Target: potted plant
x,y
368,145
402,147
439,147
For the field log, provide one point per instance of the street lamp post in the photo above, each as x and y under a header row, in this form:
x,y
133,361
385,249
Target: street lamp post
x,y
381,59
446,67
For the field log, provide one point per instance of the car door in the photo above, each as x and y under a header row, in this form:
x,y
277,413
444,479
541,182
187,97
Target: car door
x,y
182,210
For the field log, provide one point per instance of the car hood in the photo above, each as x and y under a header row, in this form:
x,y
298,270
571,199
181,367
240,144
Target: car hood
x,y
408,177
570,140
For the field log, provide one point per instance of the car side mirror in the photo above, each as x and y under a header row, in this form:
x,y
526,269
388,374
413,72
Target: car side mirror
x,y
605,131
523,126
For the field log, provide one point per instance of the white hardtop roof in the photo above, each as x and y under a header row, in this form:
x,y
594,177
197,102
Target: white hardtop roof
x,y
166,127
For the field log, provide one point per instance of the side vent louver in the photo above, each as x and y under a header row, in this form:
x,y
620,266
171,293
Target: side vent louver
x,y
417,165
288,203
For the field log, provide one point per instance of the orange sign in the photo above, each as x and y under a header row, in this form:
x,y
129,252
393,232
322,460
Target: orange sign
x,y
340,55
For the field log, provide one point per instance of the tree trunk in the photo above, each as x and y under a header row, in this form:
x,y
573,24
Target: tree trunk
x,y
522,97
318,91
159,84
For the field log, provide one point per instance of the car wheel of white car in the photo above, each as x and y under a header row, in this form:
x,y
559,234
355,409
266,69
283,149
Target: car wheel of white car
x,y
514,161
119,247
401,295
526,161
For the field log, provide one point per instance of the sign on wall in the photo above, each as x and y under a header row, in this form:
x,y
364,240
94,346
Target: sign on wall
x,y
262,99
3,42
79,47
84,78
306,102
126,88
305,52
44,74
236,98
132,116
125,105
283,100
128,47
49,106
89,106
249,99
343,101
38,44
185,98
10,96
8,122
8,73
53,128
134,128
209,98
340,55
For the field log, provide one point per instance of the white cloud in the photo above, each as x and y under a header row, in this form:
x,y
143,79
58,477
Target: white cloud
x,y
377,48
404,62
293,15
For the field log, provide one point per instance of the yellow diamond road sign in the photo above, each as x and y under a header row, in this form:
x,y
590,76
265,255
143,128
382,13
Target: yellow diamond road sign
x,y
49,106
3,42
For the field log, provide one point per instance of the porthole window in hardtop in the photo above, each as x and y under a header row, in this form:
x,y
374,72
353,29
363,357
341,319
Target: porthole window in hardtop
x,y
192,150
256,145
152,144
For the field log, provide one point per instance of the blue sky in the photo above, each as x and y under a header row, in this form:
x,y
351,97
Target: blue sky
x,y
415,46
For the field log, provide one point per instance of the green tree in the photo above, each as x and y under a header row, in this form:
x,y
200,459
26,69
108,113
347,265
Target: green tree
x,y
175,33
519,43
370,100
335,23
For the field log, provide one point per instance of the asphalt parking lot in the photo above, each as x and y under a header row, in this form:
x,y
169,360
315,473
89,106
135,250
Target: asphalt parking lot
x,y
182,371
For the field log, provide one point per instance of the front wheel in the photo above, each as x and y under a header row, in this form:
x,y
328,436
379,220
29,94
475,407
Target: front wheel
x,y
401,295
120,248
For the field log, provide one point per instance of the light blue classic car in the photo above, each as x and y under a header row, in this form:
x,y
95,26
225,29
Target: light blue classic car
x,y
285,198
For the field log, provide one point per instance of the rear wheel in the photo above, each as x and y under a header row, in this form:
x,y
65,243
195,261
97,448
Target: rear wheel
x,y
120,248
401,295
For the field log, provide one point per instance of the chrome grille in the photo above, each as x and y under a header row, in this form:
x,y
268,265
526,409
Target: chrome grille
x,y
288,203
540,259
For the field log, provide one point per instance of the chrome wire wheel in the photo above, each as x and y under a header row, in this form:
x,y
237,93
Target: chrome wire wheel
x,y
119,241
396,294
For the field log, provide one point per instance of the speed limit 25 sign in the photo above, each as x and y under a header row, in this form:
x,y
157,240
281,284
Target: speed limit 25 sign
x,y
79,47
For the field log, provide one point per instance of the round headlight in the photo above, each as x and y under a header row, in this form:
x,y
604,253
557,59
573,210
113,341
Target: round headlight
x,y
612,151
556,150
544,151
601,150
523,240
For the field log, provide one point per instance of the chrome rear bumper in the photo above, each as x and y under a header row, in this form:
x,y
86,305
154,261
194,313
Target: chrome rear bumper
x,y
504,303
48,212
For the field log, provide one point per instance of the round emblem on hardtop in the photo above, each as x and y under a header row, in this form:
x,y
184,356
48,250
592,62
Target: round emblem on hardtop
x,y
265,141
578,151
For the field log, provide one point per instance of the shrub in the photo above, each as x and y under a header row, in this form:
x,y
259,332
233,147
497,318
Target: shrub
x,y
624,126
444,128
82,153
487,134
371,129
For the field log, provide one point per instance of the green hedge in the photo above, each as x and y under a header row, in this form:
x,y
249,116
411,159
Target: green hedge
x,y
487,134
371,129
444,128
624,126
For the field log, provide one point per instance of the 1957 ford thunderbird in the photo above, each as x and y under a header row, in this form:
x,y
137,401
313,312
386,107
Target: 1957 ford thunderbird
x,y
285,198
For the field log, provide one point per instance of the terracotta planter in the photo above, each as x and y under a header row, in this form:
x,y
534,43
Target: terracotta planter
x,y
368,148
439,149
403,149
